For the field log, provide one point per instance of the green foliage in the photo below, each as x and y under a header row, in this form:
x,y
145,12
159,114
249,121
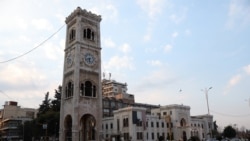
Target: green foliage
x,y
45,106
229,132
56,103
48,113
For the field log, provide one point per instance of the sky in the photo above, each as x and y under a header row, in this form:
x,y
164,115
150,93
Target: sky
x,y
167,51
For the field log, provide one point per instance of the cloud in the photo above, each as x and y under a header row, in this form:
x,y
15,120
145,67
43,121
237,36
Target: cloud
x,y
113,12
238,13
125,48
42,24
188,32
108,42
175,34
21,76
157,79
108,11
236,79
151,7
155,63
53,51
147,37
119,63
247,69
179,17
168,48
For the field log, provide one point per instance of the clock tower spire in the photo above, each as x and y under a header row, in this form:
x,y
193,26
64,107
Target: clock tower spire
x,y
81,101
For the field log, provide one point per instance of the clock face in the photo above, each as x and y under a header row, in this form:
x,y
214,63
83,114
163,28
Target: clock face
x,y
69,61
89,59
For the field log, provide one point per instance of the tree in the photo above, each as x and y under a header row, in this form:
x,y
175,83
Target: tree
x,y
229,132
56,103
45,106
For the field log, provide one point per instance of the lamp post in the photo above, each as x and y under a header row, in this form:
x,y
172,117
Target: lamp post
x,y
206,94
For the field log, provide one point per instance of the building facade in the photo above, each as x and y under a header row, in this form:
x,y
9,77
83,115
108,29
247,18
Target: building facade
x,y
12,117
171,122
125,119
81,101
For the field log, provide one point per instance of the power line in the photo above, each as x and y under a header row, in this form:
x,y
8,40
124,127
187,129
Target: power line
x,y
230,115
5,95
34,47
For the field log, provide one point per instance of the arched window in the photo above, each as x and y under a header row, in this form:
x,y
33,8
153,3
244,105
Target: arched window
x,y
72,35
87,89
183,122
88,34
69,90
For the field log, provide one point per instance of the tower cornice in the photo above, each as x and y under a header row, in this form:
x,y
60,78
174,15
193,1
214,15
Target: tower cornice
x,y
78,11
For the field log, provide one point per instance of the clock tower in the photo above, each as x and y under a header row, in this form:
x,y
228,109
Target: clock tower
x,y
81,100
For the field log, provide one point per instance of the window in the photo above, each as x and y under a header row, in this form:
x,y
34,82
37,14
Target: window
x,y
139,135
88,89
183,122
139,123
118,124
170,112
157,124
153,136
162,124
164,113
69,90
112,104
72,34
125,122
126,136
106,126
111,126
88,34
152,124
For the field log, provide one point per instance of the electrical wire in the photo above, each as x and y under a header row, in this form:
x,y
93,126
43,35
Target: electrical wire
x,y
229,115
34,47
5,94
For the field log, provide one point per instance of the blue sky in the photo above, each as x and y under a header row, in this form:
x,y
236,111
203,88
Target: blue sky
x,y
156,46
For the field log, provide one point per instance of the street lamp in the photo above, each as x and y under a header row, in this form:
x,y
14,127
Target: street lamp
x,y
206,93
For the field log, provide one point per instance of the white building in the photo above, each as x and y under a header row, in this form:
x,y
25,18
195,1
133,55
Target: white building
x,y
171,122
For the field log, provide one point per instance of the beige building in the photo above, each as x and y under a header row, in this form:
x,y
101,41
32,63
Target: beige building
x,y
81,101
12,118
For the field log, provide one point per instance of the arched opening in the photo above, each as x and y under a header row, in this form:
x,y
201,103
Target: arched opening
x,y
88,89
184,136
88,34
69,89
183,122
68,128
88,128
72,34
